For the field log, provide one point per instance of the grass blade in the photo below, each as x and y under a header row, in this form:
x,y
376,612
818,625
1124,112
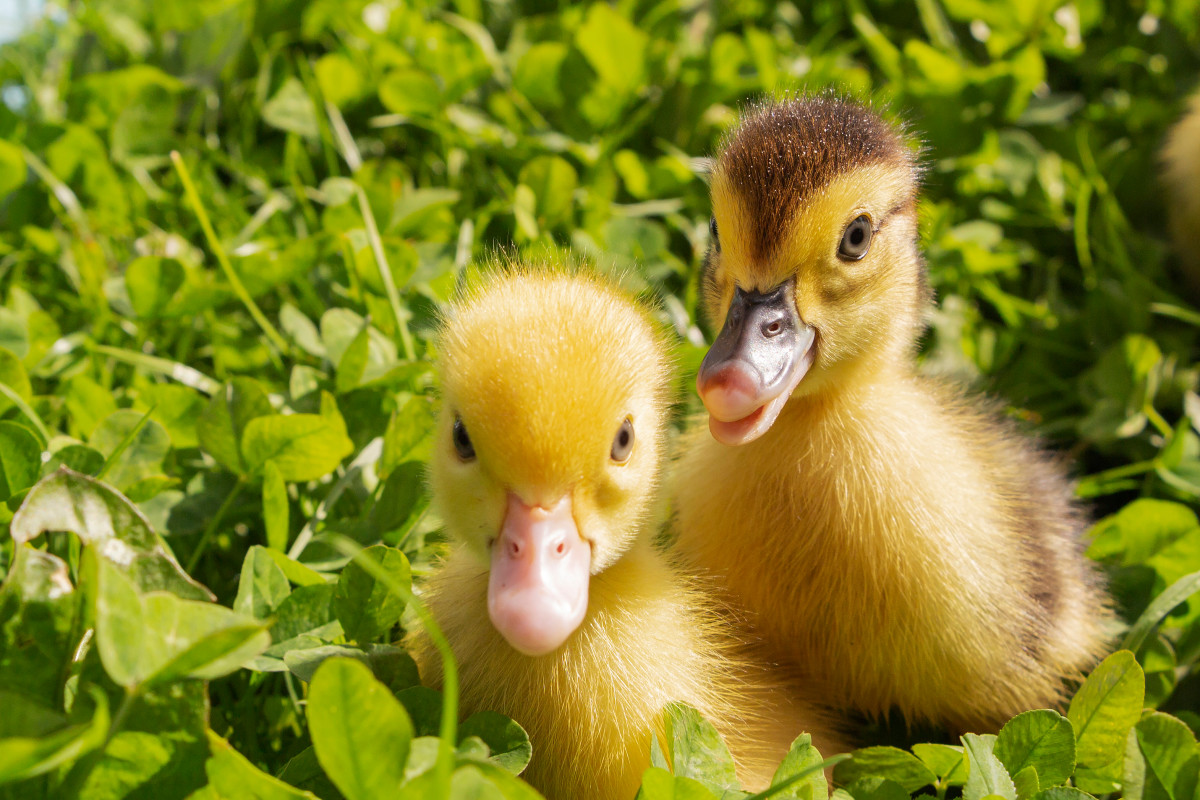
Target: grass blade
x,y
124,445
188,376
799,776
1157,611
215,245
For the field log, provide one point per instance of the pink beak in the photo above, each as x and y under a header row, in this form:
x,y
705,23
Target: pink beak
x,y
538,586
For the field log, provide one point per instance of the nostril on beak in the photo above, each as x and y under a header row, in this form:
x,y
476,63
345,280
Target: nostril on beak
x,y
515,549
773,328
562,548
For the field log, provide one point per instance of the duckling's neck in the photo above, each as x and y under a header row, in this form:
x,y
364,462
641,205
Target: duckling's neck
x,y
589,706
850,385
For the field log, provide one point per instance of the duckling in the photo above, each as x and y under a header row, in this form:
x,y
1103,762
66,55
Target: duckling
x,y
560,611
1181,158
894,538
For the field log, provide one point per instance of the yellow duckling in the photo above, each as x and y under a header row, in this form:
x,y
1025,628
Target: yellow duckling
x,y
1181,157
560,611
898,543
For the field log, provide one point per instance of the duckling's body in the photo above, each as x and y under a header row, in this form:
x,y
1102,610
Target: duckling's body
x,y
1181,157
898,544
891,557
541,369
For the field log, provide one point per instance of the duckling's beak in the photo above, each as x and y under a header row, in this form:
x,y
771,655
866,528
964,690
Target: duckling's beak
x,y
538,587
760,356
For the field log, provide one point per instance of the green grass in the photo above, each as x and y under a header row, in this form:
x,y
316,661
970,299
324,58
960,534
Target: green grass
x,y
340,164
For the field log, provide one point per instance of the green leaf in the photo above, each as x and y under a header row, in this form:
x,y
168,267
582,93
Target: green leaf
x,y
506,740
1105,708
613,47
366,607
696,749
1141,529
1062,793
658,784
25,716
305,610
216,641
1040,739
20,459
120,625
390,665
1026,782
40,615
221,427
145,126
25,757
801,756
354,361
1101,780
292,110
876,788
301,329
275,507
231,775
361,734
263,585
1172,761
12,168
304,771
304,447
77,458
340,81
408,433
158,638
13,375
424,706
106,521
885,762
296,572
484,780
947,762
553,181
986,776
153,283
146,445
160,750
537,75
178,409
410,92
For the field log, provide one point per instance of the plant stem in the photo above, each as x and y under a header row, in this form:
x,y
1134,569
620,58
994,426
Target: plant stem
x,y
202,545
369,455
1157,421
385,273
111,461
214,244
448,729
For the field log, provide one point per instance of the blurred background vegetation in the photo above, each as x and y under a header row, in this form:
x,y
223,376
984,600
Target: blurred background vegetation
x,y
327,136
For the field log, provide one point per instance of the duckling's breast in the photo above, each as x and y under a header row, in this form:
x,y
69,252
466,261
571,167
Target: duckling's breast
x,y
591,706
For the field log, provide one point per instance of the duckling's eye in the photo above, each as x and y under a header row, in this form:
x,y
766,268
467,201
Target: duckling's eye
x,y
712,229
462,442
623,442
857,239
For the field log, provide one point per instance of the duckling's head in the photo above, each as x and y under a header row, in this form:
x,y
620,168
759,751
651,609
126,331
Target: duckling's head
x,y
814,272
554,398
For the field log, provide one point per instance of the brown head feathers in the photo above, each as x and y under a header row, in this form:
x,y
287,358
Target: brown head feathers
x,y
783,153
